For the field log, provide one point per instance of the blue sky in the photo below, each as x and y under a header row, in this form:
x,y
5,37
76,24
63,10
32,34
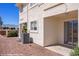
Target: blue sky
x,y
9,13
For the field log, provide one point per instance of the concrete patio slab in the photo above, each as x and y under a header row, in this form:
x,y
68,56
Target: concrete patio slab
x,y
60,49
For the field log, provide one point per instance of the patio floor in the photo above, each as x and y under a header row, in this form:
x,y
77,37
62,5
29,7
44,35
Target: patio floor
x,y
11,47
60,49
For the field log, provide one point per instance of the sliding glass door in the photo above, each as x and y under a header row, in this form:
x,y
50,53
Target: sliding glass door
x,y
71,33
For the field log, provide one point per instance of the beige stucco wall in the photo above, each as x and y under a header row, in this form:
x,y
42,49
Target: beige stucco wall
x,y
35,14
54,27
41,36
50,31
66,7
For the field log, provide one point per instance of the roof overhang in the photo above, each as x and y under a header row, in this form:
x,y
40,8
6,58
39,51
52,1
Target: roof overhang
x,y
19,5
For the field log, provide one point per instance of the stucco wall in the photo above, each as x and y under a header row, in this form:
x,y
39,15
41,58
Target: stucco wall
x,y
66,7
35,14
54,27
50,32
38,13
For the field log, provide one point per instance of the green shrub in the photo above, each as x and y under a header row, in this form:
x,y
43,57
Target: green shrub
x,y
75,52
12,34
24,29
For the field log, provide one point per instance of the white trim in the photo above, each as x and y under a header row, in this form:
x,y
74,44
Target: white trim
x,y
33,31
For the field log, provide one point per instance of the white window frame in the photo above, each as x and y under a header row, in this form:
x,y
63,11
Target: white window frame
x,y
32,30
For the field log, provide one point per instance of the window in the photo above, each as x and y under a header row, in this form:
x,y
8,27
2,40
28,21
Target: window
x,y
34,25
71,33
31,4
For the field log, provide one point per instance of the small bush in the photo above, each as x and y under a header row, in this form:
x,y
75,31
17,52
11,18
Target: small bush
x,y
75,52
24,29
12,34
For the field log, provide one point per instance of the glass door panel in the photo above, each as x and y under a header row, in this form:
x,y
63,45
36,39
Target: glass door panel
x,y
71,32
75,32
